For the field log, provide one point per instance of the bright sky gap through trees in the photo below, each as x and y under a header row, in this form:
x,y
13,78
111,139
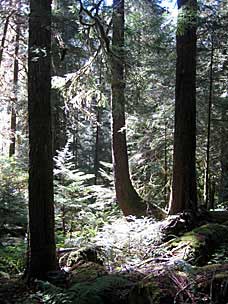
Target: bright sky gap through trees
x,y
171,5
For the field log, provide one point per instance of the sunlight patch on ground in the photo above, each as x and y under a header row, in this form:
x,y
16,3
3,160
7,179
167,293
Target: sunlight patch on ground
x,y
127,242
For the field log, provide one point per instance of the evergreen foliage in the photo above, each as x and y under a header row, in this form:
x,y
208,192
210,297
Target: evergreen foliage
x,y
13,195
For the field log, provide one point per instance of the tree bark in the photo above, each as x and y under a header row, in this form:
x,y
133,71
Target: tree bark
x,y
184,196
207,173
42,255
98,127
97,145
223,188
127,198
58,121
6,25
13,125
166,196
13,120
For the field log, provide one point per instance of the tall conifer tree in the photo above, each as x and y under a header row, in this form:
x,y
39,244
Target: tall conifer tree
x,y
126,195
42,255
184,195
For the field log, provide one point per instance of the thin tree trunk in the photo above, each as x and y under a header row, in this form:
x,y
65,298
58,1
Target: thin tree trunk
x,y
166,198
184,195
75,146
42,257
6,25
97,145
13,121
13,125
58,121
212,195
207,173
223,189
98,126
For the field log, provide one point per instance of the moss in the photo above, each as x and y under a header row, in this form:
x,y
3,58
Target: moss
x,y
221,276
208,268
197,245
85,254
213,280
87,272
214,231
107,289
145,293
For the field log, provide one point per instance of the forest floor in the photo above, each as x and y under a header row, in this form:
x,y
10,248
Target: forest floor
x,y
183,267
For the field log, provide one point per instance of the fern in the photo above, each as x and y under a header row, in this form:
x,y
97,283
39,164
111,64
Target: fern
x,y
97,292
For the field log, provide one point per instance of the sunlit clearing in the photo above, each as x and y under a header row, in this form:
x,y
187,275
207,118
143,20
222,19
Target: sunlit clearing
x,y
126,242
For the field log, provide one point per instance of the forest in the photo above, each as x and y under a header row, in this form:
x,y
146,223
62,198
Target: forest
x,y
113,152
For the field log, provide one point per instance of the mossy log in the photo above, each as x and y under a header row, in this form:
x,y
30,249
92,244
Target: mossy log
x,y
174,278
79,256
197,246
218,216
213,280
87,272
209,283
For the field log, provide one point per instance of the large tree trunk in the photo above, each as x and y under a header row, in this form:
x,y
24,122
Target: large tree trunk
x,y
184,195
126,195
42,255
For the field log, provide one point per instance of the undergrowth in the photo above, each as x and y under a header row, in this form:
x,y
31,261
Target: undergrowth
x,y
127,241
12,259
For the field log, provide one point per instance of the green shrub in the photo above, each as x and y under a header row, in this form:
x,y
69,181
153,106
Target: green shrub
x,y
13,194
13,258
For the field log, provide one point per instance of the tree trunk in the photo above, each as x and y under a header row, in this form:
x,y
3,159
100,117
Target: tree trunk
x,y
13,121
98,127
42,255
13,125
97,144
76,139
6,25
184,196
166,195
207,173
126,195
223,188
58,121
